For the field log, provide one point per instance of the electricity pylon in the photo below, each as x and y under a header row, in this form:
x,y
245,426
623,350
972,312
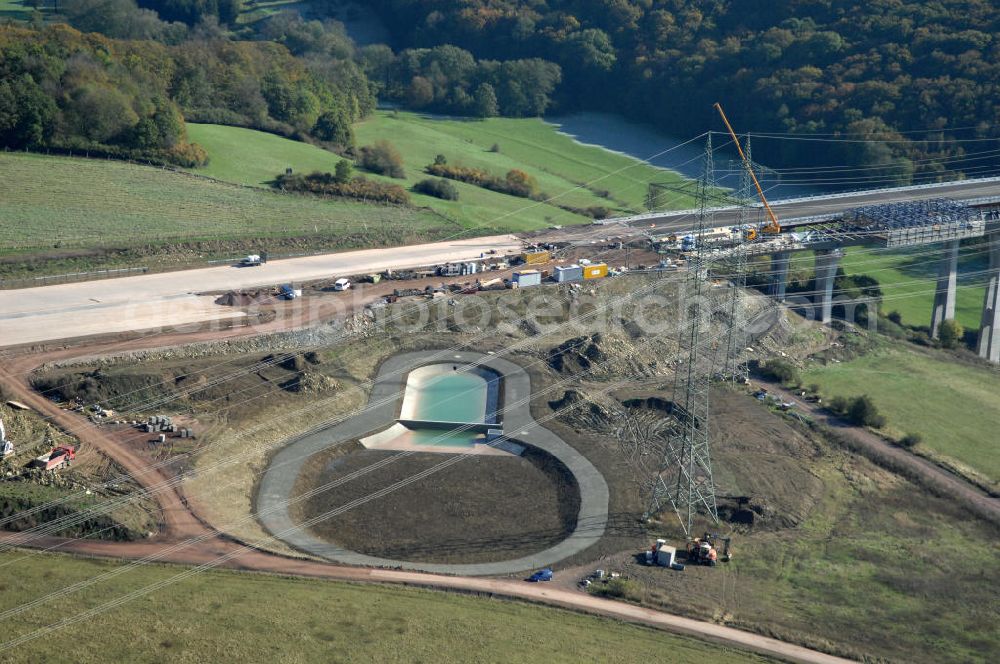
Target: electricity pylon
x,y
684,476
736,339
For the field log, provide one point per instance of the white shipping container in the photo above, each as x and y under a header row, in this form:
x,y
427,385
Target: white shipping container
x,y
665,555
526,278
569,273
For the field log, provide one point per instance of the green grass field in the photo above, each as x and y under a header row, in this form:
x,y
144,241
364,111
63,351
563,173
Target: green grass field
x,y
908,282
69,214
263,8
874,569
233,617
17,10
955,407
559,162
58,202
560,165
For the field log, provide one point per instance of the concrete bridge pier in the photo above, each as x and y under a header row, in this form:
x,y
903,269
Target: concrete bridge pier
x,y
989,329
827,262
779,274
947,283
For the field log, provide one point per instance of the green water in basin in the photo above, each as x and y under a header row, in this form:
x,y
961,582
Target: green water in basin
x,y
451,397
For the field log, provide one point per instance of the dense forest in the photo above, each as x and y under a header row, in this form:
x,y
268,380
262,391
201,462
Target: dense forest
x,y
125,77
872,70
60,89
903,88
450,80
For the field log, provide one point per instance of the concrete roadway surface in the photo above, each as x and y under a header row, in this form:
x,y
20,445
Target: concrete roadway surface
x,y
171,298
807,207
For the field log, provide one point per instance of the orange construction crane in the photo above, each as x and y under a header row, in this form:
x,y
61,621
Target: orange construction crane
x,y
773,226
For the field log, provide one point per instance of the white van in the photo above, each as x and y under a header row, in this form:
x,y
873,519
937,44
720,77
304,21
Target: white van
x,y
341,284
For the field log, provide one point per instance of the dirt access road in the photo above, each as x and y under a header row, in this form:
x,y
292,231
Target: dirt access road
x,y
171,298
225,554
933,476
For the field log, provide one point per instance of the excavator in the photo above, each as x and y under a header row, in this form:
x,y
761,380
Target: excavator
x,y
772,225
704,550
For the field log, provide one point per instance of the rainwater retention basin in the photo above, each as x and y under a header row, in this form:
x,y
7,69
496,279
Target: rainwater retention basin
x,y
445,405
498,397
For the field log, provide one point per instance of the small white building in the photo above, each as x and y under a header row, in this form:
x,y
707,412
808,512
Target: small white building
x,y
666,555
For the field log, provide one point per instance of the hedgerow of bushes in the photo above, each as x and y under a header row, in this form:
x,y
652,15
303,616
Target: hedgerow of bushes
x,y
358,187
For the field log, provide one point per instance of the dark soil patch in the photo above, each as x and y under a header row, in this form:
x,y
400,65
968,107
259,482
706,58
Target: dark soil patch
x,y
17,499
482,509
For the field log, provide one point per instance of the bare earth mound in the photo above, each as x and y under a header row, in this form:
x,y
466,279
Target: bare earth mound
x,y
482,509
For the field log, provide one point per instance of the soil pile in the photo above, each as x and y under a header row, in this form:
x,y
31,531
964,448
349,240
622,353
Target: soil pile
x,y
243,299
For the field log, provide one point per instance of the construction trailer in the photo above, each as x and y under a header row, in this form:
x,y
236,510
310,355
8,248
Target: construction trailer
x,y
526,278
662,554
568,273
536,257
595,271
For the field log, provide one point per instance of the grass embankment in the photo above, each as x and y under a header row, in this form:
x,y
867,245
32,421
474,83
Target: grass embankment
x,y
874,569
954,406
560,165
867,565
77,214
231,617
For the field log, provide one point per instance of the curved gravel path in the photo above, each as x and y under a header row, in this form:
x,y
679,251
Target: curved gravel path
x,y
279,479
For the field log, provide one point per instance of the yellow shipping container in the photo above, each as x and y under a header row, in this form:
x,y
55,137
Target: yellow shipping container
x,y
535,257
598,271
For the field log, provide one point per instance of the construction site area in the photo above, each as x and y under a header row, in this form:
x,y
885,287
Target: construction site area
x,y
616,415
210,417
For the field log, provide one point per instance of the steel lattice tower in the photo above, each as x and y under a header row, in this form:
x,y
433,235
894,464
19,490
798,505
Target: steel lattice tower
x,y
735,367
684,476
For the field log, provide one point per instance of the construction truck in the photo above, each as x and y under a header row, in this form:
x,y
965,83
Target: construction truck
x,y
704,550
60,456
6,447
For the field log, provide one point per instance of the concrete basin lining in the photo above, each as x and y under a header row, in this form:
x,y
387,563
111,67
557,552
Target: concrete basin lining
x,y
280,476
420,384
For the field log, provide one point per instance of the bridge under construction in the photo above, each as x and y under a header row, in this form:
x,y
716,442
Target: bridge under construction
x,y
938,214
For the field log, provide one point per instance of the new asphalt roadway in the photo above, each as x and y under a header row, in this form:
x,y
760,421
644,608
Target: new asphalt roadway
x,y
171,298
826,205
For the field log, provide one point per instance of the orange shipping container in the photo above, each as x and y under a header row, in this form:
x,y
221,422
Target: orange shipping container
x,y
535,257
598,271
